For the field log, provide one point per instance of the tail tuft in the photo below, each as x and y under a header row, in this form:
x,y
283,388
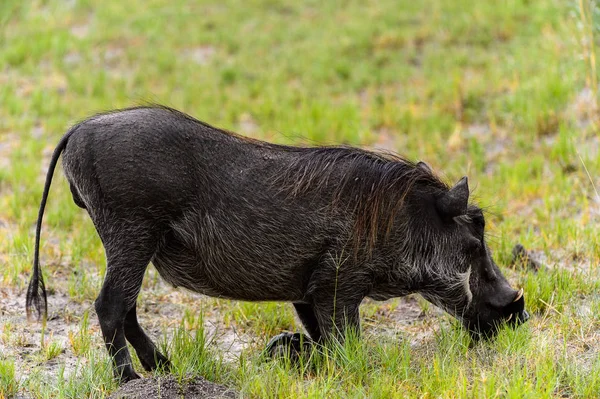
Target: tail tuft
x,y
36,298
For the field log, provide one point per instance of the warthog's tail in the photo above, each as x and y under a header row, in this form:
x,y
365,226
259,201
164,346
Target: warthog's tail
x,y
36,293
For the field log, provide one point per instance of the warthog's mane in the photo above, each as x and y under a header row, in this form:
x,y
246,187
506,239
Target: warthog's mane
x,y
373,185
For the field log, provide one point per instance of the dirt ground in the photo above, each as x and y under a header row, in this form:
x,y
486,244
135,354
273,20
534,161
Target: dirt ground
x,y
168,387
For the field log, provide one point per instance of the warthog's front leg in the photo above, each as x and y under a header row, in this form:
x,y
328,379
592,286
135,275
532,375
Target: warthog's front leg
x,y
309,320
293,345
331,314
337,293
338,320
296,345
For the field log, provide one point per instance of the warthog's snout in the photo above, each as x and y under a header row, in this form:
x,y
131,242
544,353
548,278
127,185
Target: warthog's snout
x,y
491,317
516,310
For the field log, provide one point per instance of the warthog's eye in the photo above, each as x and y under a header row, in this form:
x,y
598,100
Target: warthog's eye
x,y
473,248
479,225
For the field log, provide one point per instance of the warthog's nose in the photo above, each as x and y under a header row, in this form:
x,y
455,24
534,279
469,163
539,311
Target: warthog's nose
x,y
518,318
516,310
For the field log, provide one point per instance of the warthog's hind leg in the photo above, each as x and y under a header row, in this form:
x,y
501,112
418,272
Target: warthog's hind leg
x,y
111,308
129,248
147,352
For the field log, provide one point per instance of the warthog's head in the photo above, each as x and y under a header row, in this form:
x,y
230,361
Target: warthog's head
x,y
457,272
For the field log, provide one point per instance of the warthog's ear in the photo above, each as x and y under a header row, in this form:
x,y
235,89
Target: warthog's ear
x,y
455,201
424,166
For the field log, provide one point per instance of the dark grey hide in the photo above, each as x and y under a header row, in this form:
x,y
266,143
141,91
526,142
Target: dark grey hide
x,y
235,218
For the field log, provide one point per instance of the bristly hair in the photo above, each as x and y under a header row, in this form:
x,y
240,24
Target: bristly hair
x,y
374,183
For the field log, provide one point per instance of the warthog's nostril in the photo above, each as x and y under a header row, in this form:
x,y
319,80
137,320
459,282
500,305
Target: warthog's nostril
x,y
524,316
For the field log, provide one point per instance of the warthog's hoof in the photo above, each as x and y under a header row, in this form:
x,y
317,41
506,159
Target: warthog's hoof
x,y
157,361
291,345
127,375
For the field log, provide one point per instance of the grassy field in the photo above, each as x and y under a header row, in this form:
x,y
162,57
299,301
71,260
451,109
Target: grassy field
x,y
504,92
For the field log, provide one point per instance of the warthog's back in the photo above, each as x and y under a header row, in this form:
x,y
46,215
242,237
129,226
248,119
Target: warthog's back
x,y
156,158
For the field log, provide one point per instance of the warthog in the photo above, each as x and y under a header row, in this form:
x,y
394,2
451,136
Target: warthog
x,y
231,217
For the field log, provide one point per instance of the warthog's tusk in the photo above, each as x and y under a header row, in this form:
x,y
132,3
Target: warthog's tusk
x,y
519,295
509,317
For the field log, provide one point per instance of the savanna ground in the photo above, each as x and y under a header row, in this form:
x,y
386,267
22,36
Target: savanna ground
x,y
504,92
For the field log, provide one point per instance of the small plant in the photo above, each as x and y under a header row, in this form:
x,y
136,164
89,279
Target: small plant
x,y
8,381
189,350
52,350
81,340
7,332
263,319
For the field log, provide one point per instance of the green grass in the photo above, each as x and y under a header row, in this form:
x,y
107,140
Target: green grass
x,y
502,92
